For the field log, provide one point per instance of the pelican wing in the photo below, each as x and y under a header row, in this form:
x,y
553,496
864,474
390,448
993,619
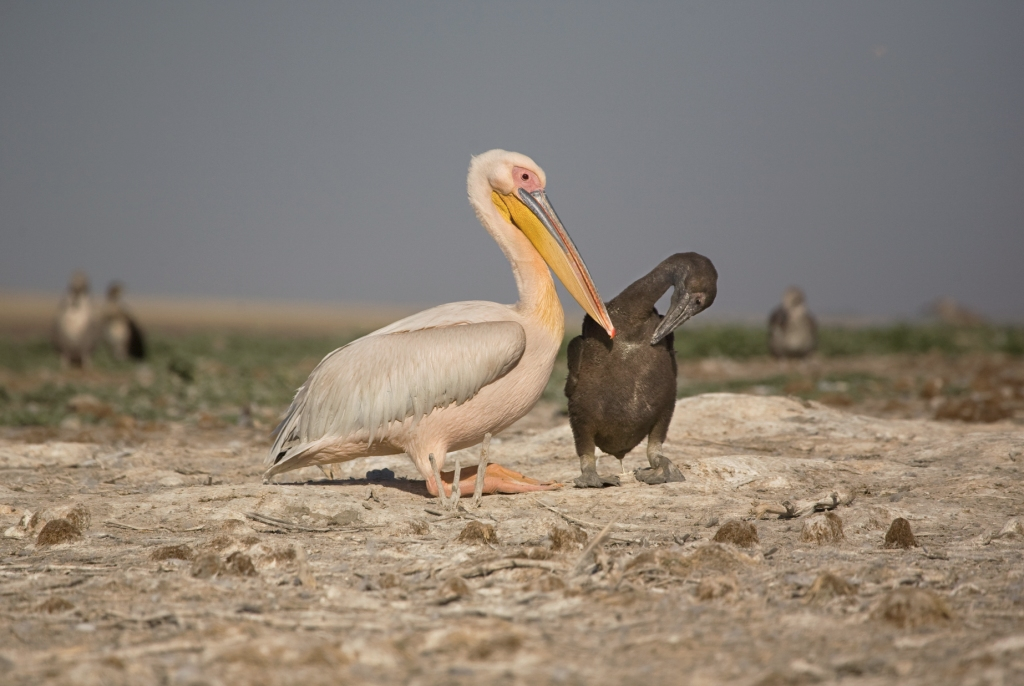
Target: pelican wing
x,y
394,374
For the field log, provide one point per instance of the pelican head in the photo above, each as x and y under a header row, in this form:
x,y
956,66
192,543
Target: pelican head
x,y
78,284
507,191
114,291
793,298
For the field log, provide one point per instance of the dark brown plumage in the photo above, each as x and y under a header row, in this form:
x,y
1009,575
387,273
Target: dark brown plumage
x,y
623,390
120,331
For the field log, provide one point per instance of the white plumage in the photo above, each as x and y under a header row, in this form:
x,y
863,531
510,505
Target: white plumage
x,y
403,371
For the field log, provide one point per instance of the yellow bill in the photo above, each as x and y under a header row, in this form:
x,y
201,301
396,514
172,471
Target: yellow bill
x,y
534,216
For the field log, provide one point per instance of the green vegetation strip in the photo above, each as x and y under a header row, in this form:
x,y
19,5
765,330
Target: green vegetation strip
x,y
211,377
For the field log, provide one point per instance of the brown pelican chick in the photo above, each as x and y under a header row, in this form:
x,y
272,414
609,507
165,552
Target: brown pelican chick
x,y
121,333
623,390
792,329
74,331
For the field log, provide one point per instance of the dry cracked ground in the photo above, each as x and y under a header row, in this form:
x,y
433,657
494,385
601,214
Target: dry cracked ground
x,y
165,559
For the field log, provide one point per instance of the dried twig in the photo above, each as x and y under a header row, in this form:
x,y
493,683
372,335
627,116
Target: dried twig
x,y
594,542
510,563
122,525
571,520
273,521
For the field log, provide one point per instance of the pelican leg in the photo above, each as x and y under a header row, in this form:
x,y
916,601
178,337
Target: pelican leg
x,y
478,487
439,484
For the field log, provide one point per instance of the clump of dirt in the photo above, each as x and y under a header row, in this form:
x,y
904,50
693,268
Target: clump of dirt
x,y
80,517
240,564
284,555
55,604
713,556
504,644
573,538
912,607
172,552
344,518
739,533
716,587
826,529
419,527
478,532
453,589
536,552
207,566
828,586
210,565
58,531
1012,529
546,583
900,535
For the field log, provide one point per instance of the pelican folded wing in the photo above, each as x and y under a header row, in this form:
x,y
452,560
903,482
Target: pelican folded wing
x,y
361,388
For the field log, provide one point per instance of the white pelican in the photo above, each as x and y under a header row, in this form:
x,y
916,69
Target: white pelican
x,y
792,329
74,331
443,378
120,331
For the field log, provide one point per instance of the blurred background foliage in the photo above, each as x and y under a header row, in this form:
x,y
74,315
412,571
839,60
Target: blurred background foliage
x,y
218,378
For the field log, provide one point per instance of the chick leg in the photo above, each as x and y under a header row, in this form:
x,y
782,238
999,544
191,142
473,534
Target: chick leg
x,y
661,470
589,478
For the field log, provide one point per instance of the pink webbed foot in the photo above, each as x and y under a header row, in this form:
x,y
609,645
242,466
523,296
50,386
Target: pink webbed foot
x,y
497,479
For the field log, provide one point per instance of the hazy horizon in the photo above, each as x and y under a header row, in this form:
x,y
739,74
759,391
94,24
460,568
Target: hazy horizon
x,y
872,153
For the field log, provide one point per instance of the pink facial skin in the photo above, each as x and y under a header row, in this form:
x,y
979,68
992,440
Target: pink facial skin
x,y
526,179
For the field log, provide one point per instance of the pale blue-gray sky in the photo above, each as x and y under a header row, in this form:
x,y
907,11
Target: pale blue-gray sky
x,y
872,152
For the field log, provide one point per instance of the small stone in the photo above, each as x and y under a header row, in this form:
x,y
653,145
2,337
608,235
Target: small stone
x,y
1012,529
344,518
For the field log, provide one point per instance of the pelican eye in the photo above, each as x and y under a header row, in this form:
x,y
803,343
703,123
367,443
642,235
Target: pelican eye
x,y
526,177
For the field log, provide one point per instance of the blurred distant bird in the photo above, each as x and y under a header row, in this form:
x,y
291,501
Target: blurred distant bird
x,y
949,311
442,379
792,329
120,331
75,330
624,390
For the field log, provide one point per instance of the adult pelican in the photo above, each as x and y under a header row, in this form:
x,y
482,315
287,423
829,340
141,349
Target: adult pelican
x,y
442,379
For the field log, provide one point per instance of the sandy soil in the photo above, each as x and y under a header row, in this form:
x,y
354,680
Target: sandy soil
x,y
189,570
31,314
